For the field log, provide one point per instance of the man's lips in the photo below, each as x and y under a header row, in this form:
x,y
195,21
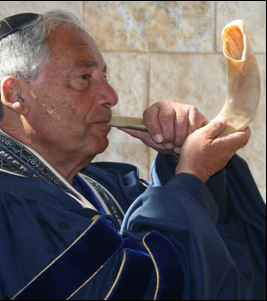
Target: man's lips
x,y
103,120
104,123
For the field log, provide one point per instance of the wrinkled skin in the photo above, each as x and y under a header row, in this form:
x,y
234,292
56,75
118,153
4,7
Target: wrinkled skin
x,y
65,112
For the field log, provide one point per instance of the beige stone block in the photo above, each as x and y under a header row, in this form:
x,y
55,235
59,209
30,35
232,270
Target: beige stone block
x,y
9,8
128,75
197,79
253,13
201,80
186,26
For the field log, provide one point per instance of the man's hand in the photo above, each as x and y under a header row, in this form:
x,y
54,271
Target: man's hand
x,y
204,152
168,124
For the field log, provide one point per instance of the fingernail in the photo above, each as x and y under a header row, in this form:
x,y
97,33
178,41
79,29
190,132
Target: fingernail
x,y
158,138
177,150
222,119
168,145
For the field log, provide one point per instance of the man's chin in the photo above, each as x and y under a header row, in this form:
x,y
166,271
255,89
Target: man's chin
x,y
102,146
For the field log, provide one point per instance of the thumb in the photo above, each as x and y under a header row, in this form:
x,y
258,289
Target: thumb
x,y
215,127
142,135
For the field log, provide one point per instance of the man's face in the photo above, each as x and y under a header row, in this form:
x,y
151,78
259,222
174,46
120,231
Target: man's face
x,y
71,99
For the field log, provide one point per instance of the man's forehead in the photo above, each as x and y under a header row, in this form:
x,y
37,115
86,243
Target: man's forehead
x,y
75,46
64,38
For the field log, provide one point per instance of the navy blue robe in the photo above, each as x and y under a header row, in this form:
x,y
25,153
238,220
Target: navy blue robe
x,y
180,238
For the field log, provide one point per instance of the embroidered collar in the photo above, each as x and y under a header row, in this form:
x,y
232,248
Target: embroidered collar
x,y
16,158
21,160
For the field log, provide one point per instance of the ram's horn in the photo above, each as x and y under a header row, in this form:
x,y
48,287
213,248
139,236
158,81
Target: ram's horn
x,y
243,82
128,122
243,78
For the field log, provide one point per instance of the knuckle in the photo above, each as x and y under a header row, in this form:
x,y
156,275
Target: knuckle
x,y
168,102
149,113
165,118
193,126
180,125
193,109
218,125
241,140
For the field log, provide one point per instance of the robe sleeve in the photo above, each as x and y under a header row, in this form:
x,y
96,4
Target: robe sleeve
x,y
218,229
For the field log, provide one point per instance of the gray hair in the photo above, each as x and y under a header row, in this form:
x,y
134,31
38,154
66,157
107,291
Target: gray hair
x,y
22,52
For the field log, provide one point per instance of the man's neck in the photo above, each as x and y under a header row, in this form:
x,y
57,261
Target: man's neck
x,y
67,165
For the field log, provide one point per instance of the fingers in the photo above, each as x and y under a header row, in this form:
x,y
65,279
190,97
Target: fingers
x,y
215,127
247,134
142,135
180,133
169,123
205,151
196,120
160,123
229,143
237,140
167,117
147,139
233,141
151,121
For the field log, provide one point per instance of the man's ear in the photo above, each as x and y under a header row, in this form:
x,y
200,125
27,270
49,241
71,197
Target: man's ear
x,y
10,96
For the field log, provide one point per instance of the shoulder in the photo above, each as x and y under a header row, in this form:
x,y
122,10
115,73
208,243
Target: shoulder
x,y
23,188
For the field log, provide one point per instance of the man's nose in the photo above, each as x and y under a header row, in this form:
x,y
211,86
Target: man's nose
x,y
107,95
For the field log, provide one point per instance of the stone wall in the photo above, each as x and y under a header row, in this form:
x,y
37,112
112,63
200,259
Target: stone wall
x,y
157,50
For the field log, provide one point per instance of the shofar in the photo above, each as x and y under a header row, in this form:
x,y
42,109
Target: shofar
x,y
243,82
128,122
243,78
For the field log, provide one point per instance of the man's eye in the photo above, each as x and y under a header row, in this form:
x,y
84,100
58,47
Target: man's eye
x,y
85,76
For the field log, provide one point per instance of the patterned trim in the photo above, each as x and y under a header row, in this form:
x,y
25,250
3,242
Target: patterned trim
x,y
16,158
113,207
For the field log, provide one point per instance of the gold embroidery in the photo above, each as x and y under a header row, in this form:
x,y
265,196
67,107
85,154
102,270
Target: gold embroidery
x,y
156,267
95,218
118,276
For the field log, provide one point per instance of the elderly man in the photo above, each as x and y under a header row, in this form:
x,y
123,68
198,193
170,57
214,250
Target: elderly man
x,y
74,229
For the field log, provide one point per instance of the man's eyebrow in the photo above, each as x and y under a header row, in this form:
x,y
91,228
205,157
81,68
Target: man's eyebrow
x,y
87,64
84,64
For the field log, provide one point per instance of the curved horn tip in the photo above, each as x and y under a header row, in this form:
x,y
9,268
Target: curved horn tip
x,y
239,23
